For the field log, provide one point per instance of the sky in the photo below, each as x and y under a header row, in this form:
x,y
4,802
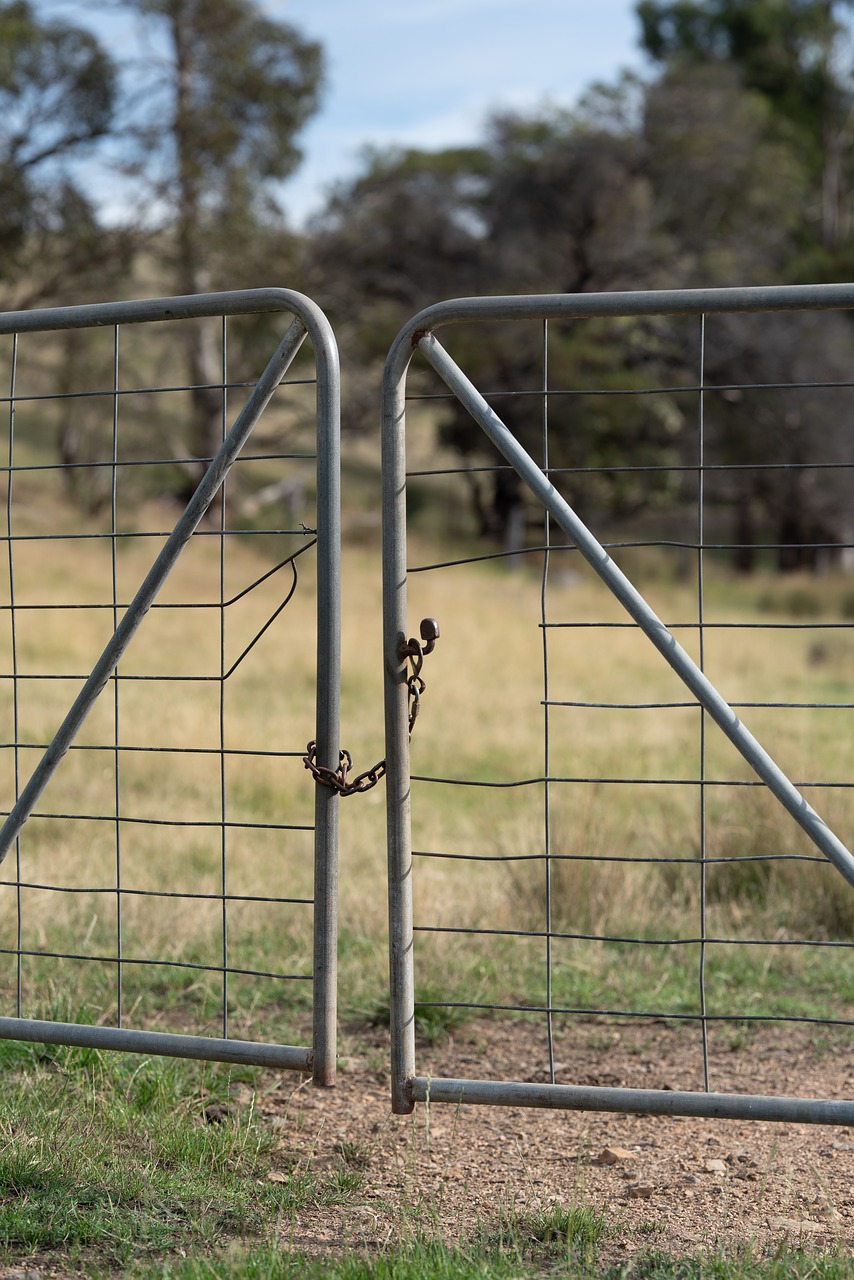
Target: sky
x,y
426,74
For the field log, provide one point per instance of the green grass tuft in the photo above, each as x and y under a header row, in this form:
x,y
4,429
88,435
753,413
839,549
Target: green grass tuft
x,y
743,1264
113,1158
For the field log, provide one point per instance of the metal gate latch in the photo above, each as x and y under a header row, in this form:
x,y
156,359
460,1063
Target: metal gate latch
x,y
414,652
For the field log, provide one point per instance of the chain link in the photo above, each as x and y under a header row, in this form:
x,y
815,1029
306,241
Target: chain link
x,y
414,652
337,778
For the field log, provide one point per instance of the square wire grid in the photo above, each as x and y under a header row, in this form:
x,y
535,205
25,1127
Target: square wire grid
x,y
599,857
165,880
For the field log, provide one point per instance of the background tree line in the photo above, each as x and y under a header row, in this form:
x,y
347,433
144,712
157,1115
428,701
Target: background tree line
x,y
731,162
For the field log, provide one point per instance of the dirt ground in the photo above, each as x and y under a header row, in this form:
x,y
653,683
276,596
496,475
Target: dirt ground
x,y
673,1184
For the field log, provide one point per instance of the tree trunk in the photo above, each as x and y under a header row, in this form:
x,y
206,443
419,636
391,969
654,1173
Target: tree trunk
x,y
204,377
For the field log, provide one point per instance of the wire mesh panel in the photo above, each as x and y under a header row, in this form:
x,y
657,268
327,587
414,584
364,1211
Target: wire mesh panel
x,y
630,792
171,600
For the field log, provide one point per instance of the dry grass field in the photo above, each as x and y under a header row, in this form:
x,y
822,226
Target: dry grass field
x,y
632,794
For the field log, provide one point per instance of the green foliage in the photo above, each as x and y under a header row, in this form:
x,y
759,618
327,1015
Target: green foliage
x,y
795,56
782,49
57,87
223,113
571,1231
689,180
428,1259
58,91
244,85
216,130
731,165
434,1020
514,1256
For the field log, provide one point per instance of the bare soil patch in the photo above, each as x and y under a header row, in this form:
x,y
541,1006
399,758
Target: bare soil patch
x,y
673,1184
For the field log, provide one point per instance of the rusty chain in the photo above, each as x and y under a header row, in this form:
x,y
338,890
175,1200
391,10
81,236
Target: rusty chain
x,y
413,652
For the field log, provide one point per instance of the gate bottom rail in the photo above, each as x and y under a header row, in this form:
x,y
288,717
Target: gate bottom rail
x,y
157,1043
662,1102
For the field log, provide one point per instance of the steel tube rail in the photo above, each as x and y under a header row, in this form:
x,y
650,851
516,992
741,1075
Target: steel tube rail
x,y
188,306
658,1102
575,306
157,1043
328,708
402,989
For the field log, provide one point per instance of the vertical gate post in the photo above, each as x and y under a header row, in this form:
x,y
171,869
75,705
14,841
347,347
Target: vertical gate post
x,y
401,977
325,999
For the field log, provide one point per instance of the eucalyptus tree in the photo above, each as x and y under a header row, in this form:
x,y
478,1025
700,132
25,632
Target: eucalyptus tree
x,y
553,202
219,101
58,89
797,55
750,127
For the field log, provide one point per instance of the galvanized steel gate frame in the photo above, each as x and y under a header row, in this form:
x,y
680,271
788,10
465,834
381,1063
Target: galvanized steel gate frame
x,y
409,1087
308,321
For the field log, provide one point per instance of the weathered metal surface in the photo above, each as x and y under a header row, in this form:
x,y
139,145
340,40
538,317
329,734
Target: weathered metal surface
x,y
159,1043
657,1102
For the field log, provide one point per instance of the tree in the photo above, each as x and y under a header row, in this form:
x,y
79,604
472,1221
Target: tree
x,y
553,202
216,131
750,130
57,99
795,54
705,175
406,231
801,504
567,208
58,91
728,193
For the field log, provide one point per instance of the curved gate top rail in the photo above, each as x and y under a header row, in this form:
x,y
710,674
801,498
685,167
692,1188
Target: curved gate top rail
x,y
308,321
419,334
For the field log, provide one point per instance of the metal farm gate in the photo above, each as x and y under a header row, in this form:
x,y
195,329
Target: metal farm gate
x,y
175,883
591,836
514,853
